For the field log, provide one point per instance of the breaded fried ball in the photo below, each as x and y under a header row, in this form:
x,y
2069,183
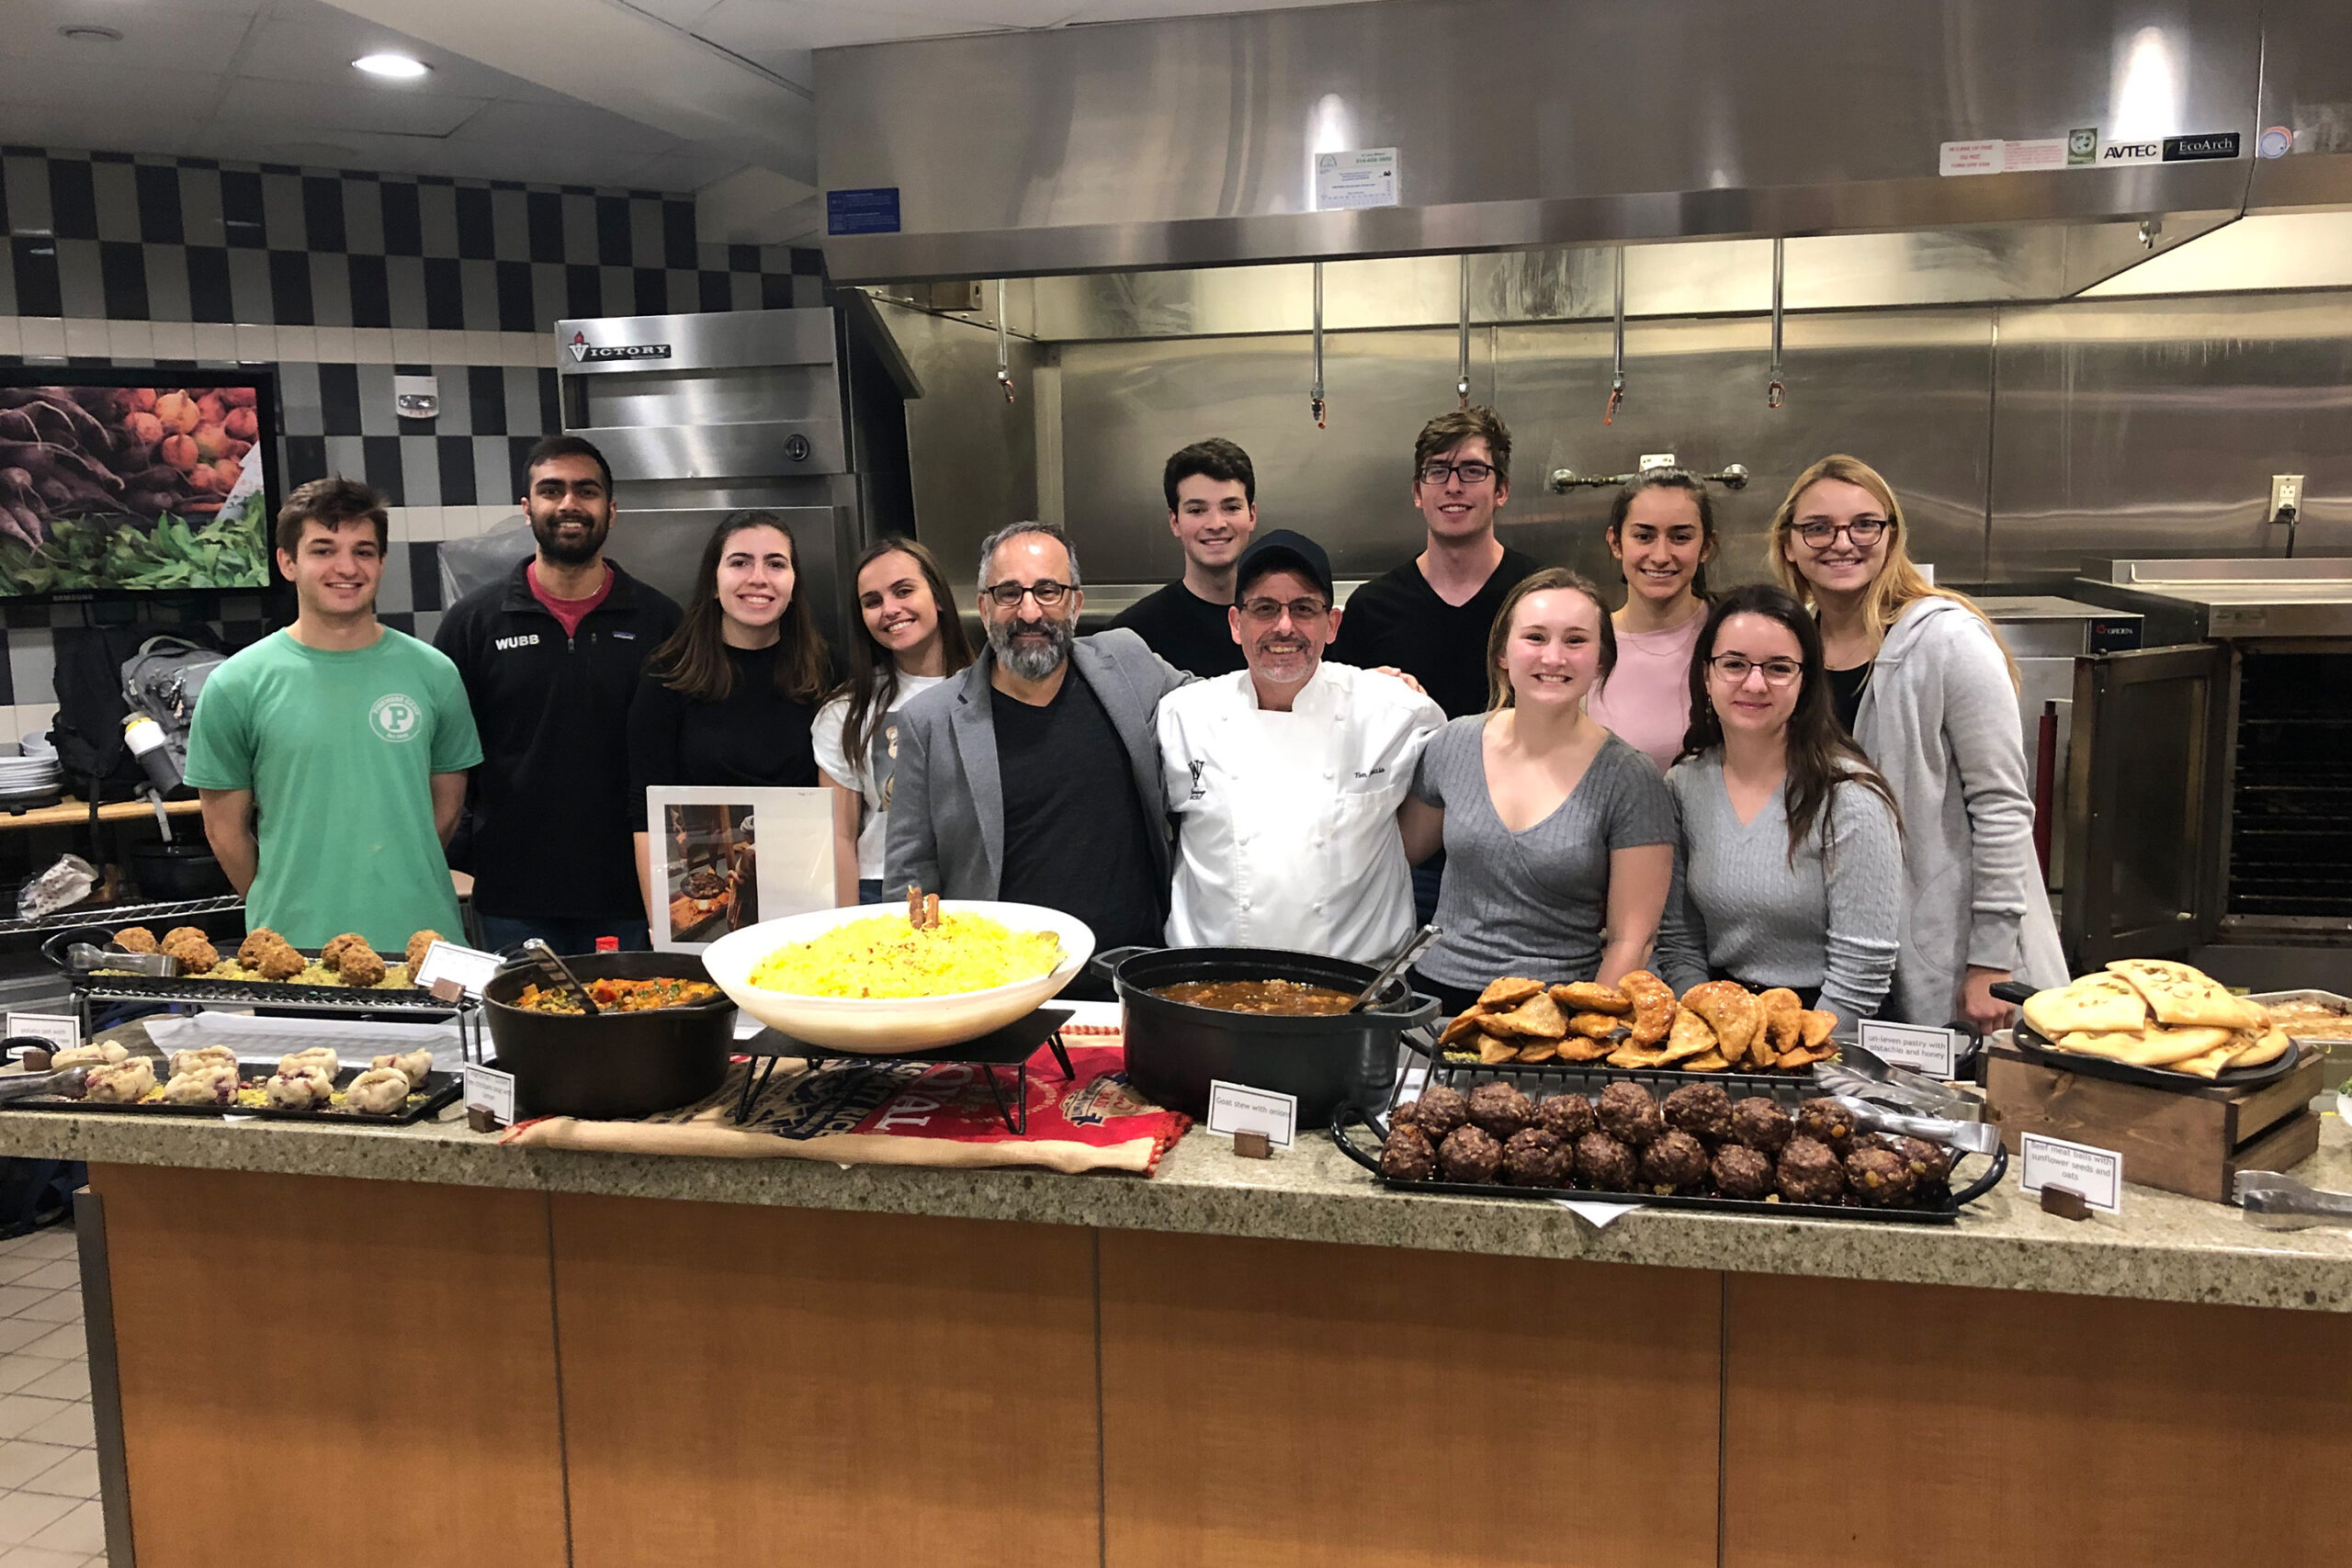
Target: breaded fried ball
x,y
331,956
136,939
276,961
362,966
192,948
256,942
417,946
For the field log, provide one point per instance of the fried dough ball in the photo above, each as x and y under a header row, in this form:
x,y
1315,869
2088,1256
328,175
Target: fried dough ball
x,y
1676,1162
1758,1122
417,947
194,952
1826,1120
1566,1116
361,966
1740,1172
1879,1178
135,939
120,1083
331,956
1440,1110
1499,1111
275,961
1406,1155
1468,1154
1629,1114
1809,1172
256,940
378,1091
1535,1157
1604,1164
1702,1109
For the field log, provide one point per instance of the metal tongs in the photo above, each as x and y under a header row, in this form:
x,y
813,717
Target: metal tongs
x,y
1415,945
2279,1203
84,958
1866,1075
67,1081
544,956
1973,1137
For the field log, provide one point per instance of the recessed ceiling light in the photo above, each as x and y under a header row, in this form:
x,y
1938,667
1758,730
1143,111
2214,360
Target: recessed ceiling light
x,y
90,32
399,66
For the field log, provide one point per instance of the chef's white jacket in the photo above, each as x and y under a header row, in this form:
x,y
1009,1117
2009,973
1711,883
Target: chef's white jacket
x,y
1286,822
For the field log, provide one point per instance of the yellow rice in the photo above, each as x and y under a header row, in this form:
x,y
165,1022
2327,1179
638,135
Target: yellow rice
x,y
884,956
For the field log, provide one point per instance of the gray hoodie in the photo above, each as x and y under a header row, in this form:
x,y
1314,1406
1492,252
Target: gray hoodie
x,y
1940,719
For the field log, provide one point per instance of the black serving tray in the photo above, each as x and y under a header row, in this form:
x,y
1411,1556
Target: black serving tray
x,y
2032,1044
1943,1215
203,991
439,1089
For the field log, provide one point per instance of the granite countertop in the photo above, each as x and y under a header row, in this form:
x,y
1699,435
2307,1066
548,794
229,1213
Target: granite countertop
x,y
2162,1248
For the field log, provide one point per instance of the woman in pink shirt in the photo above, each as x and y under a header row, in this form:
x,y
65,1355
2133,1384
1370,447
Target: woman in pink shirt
x,y
1662,530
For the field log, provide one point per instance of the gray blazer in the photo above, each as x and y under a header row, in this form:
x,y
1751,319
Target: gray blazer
x,y
946,800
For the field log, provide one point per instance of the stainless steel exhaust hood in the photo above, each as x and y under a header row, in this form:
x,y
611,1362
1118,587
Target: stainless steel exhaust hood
x,y
1192,142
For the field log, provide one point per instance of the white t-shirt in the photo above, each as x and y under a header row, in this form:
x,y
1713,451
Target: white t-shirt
x,y
870,774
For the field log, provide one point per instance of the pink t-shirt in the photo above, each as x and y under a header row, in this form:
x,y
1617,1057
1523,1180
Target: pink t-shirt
x,y
1646,702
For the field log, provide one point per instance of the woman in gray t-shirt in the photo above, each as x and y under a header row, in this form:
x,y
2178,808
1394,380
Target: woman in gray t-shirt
x,y
1555,830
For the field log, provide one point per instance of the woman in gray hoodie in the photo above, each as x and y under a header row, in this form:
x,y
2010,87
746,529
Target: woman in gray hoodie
x,y
1924,686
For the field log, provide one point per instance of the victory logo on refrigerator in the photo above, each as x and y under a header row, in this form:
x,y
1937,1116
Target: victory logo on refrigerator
x,y
584,351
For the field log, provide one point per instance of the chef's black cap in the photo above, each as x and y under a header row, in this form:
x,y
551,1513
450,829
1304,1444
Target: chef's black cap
x,y
1278,550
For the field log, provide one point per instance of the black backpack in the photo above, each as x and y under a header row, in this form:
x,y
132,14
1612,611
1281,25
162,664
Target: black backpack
x,y
91,708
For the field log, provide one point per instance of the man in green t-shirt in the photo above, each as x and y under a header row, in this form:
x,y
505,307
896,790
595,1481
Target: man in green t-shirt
x,y
349,741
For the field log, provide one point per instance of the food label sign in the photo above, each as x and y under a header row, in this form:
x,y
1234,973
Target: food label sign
x,y
469,967
1928,1051
1237,1108
2096,1174
491,1092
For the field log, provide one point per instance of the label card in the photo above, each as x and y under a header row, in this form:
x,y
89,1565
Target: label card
x,y
1985,157
2097,1174
1235,1108
1923,1050
469,967
491,1090
61,1030
1348,181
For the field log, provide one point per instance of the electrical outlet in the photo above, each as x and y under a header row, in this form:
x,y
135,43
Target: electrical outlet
x,y
2286,495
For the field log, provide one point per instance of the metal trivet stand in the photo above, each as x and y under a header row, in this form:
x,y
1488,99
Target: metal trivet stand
x,y
1011,1046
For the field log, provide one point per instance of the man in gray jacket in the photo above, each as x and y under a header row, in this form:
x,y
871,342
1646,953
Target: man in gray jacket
x,y
1033,775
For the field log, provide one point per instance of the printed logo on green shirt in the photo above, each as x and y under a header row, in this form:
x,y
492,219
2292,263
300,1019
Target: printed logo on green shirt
x,y
396,718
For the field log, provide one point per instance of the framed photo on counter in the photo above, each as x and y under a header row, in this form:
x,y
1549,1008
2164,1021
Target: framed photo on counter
x,y
725,858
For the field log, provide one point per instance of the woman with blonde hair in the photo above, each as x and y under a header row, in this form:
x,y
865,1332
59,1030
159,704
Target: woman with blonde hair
x,y
1924,685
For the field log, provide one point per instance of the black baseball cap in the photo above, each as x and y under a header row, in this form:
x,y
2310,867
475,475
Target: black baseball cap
x,y
1278,550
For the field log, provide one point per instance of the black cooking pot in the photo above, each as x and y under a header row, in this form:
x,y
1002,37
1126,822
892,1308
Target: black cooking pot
x,y
1175,1048
177,868
614,1065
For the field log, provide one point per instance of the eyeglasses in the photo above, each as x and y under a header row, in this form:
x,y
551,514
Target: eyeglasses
x,y
1732,669
1008,595
1864,531
1471,473
1266,612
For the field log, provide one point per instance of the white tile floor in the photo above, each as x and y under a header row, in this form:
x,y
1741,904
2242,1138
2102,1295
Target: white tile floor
x,y
48,1468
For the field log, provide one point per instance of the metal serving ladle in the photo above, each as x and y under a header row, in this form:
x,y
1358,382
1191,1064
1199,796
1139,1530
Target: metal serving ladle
x,y
1415,945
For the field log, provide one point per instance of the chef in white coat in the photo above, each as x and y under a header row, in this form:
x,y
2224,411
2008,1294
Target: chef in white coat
x,y
1284,777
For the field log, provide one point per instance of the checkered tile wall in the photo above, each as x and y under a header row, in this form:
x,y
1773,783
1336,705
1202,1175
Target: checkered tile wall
x,y
340,280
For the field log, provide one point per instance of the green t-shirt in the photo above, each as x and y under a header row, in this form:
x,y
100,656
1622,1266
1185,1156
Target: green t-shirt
x,y
339,751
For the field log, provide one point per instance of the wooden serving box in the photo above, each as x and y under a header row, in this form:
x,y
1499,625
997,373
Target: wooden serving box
x,y
2193,1141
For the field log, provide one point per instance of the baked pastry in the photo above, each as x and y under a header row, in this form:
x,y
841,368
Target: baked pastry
x,y
1880,1178
1702,1109
378,1091
1595,1025
1406,1155
1492,1050
1591,995
1566,1116
1809,1172
1468,1155
1827,1122
1653,1007
1499,1111
410,1065
1440,1110
119,1083
1537,1018
1507,992
1676,1162
319,1056
208,1083
2179,995
1759,1123
1729,1011
204,1057
1535,1157
301,1088
135,939
91,1054
1783,1029
1629,1114
1691,1035
1604,1164
1816,1027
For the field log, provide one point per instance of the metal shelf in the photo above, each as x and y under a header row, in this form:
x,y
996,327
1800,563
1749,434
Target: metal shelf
x,y
123,915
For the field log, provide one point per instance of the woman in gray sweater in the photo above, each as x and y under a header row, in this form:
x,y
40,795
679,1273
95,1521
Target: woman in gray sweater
x,y
1789,867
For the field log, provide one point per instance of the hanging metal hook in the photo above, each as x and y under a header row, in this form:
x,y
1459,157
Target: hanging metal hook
x,y
1461,374
1004,345
1775,390
1315,397
1617,365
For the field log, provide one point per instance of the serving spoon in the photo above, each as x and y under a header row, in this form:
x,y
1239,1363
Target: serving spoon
x,y
1415,945
546,959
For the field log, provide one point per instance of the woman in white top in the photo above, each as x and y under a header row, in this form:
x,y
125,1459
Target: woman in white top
x,y
1924,686
1662,530
911,641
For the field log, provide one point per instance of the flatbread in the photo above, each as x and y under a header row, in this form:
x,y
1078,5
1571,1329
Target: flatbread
x,y
2268,1046
2096,1004
2155,1048
2180,995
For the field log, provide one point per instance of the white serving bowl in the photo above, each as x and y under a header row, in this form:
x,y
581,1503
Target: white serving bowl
x,y
892,1026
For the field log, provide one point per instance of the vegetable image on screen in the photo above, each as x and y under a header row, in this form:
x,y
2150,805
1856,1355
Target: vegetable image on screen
x,y
140,487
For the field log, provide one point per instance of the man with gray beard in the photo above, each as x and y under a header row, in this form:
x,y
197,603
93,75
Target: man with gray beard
x,y
1033,775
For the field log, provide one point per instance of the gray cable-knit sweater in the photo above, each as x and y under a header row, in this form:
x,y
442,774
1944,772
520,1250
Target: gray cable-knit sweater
x,y
1740,907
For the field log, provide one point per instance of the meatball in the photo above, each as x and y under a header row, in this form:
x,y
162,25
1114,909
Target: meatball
x,y
135,939
1825,1121
1702,1109
1440,1110
1468,1154
1406,1155
1629,1114
275,961
1535,1157
1405,1116
1676,1162
1604,1164
1566,1116
1758,1122
1930,1167
1740,1172
1879,1178
1809,1172
1499,1109
362,967
194,951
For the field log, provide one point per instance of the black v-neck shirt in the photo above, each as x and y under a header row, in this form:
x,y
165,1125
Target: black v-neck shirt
x,y
1185,629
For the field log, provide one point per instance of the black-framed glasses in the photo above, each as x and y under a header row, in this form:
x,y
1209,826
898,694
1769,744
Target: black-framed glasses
x,y
1864,531
1266,612
1732,669
1471,473
1008,595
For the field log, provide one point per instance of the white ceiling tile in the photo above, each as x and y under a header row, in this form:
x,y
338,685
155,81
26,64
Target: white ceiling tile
x,y
154,37
677,12
1142,10
48,85
770,31
293,107
571,126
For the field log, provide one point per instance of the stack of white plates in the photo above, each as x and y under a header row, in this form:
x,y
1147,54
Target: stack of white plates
x,y
29,769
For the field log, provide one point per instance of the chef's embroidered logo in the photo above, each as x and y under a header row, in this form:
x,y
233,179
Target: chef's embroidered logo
x,y
396,718
1198,766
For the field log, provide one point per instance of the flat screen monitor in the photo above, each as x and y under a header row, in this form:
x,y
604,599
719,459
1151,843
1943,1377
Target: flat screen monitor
x,y
118,481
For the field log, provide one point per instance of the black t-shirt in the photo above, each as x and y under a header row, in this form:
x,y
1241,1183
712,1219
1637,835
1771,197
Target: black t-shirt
x,y
1075,835
1845,689
1399,619
1185,629
755,736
